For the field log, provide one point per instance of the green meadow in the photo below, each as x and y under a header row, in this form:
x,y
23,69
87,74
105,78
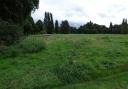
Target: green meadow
x,y
69,62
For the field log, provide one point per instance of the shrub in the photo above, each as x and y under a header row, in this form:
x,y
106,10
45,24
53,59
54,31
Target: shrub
x,y
28,45
28,28
32,44
73,72
9,33
6,51
107,64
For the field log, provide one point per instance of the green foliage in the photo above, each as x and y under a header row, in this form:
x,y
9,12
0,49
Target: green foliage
x,y
56,27
124,27
73,72
65,27
40,26
118,81
92,28
9,33
32,44
31,28
27,45
107,64
38,78
17,11
106,55
28,28
48,22
6,51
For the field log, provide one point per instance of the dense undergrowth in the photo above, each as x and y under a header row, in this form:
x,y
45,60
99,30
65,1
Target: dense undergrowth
x,y
26,45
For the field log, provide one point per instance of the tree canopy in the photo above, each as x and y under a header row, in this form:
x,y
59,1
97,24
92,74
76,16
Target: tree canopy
x,y
17,10
65,27
48,22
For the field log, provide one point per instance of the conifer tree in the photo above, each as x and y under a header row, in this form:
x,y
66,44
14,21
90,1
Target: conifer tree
x,y
124,27
56,27
110,27
48,22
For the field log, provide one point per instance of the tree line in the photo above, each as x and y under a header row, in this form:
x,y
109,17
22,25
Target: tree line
x,y
47,26
16,21
92,28
51,27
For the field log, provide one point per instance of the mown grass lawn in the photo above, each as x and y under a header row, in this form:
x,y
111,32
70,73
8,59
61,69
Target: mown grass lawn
x,y
35,71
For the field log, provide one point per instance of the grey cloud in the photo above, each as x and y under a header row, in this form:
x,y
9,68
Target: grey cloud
x,y
116,8
79,11
75,11
102,15
51,2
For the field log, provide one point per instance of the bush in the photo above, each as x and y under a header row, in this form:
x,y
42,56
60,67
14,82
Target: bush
x,y
28,45
6,51
107,64
9,33
32,44
28,28
73,72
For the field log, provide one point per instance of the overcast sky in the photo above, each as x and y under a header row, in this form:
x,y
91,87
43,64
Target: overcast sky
x,y
81,11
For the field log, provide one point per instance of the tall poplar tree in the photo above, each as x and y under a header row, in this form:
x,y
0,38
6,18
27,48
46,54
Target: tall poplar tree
x,y
56,26
48,22
124,27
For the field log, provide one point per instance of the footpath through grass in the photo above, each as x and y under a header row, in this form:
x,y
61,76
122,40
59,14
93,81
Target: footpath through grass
x,y
106,55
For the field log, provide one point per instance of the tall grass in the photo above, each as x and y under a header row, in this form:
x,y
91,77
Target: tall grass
x,y
73,72
32,44
8,51
29,44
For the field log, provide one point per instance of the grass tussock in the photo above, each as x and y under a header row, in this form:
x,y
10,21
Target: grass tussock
x,y
30,44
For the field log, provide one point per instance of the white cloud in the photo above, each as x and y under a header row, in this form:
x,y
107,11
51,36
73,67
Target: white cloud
x,y
82,11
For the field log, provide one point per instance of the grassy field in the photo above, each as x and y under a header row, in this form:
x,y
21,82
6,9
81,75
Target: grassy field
x,y
106,54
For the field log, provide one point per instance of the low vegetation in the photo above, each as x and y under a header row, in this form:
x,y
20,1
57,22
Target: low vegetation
x,y
30,44
67,62
9,33
8,51
73,72
31,61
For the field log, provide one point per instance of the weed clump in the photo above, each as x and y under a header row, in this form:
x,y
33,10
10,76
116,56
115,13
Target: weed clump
x,y
27,45
8,51
73,72
32,44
